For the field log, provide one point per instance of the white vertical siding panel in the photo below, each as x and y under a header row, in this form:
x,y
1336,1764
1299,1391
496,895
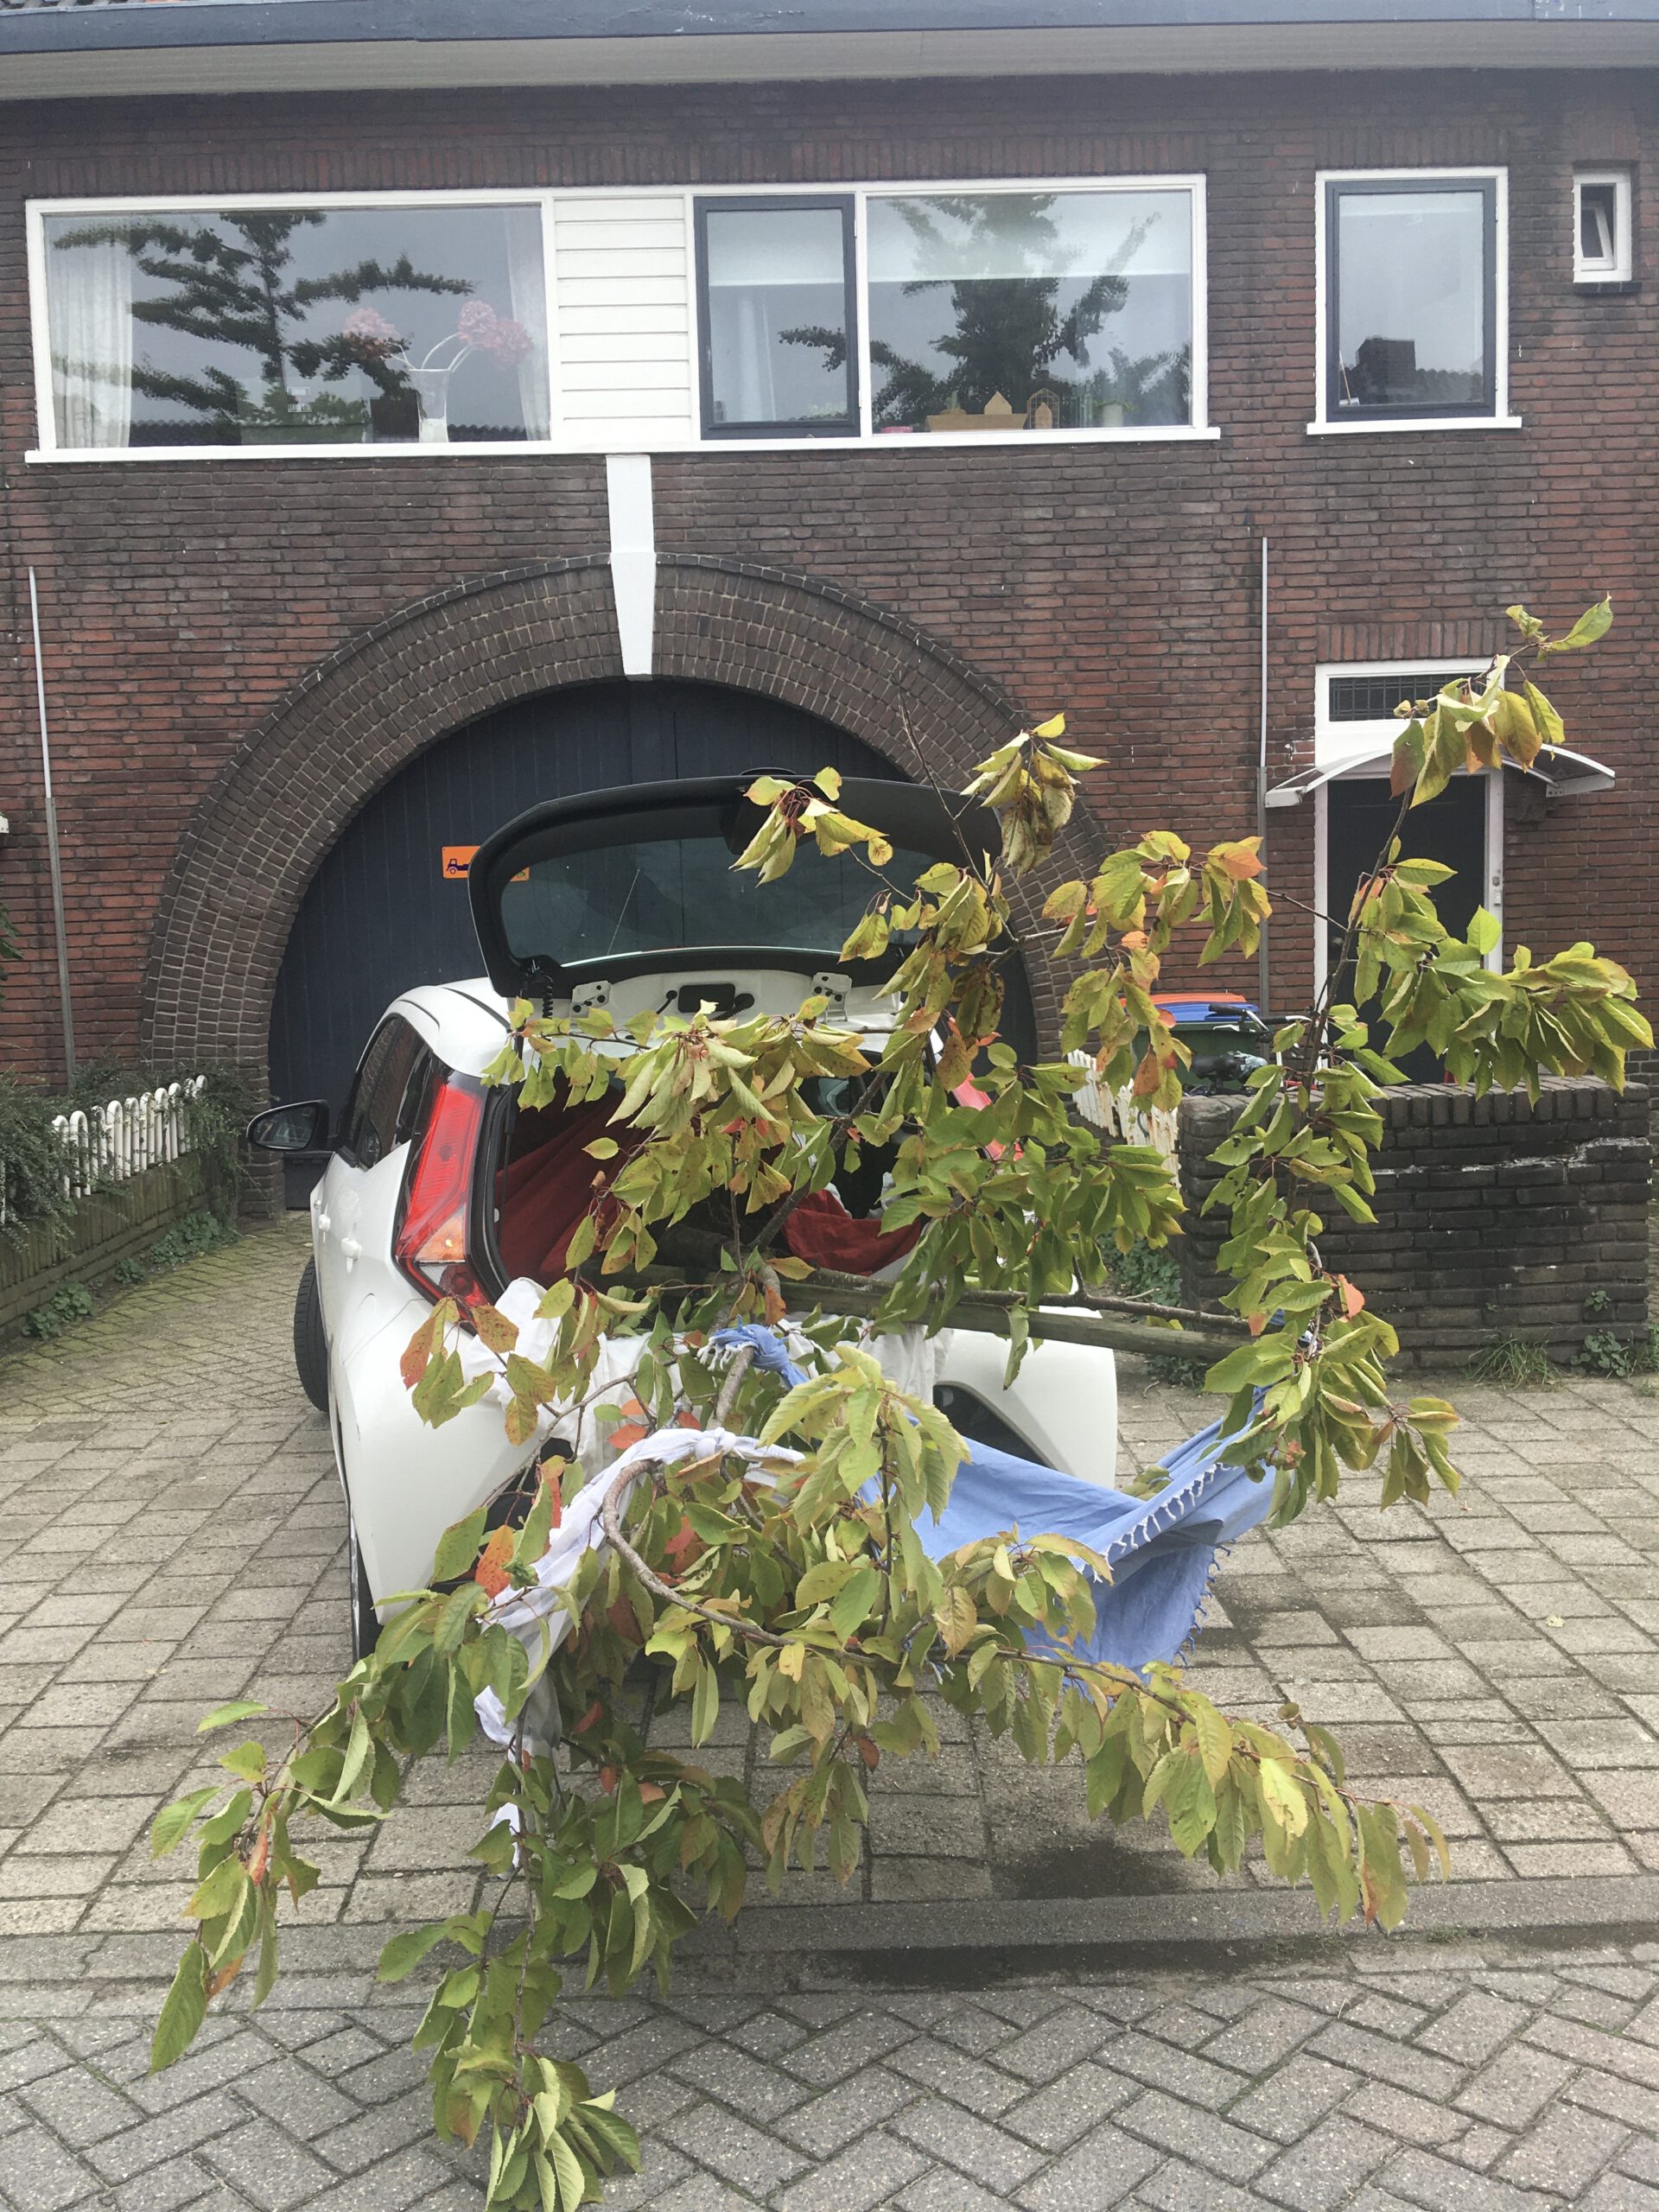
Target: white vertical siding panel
x,y
626,310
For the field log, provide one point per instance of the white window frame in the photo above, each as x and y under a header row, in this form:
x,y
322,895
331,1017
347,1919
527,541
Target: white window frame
x,y
48,449
1323,424
1199,430
906,188
1332,741
1618,266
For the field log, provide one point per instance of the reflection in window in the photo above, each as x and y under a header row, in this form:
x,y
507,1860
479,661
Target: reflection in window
x,y
1035,311
654,894
776,336
297,327
1412,276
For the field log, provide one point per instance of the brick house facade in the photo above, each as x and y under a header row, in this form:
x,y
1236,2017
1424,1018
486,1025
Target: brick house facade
x,y
239,652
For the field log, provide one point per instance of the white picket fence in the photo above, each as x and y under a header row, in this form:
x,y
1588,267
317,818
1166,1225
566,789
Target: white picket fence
x,y
114,1142
1118,1113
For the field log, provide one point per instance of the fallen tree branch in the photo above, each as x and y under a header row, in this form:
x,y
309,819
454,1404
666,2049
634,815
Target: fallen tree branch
x,y
1073,1320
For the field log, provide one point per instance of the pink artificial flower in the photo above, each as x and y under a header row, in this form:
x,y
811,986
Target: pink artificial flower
x,y
508,343
368,334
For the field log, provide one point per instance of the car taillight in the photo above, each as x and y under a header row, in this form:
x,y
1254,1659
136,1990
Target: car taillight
x,y
431,1245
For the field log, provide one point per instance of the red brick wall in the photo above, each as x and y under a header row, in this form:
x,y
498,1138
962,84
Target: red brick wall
x,y
183,601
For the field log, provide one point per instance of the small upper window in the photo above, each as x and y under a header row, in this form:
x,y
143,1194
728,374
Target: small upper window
x,y
1411,297
298,325
777,315
1601,208
1355,705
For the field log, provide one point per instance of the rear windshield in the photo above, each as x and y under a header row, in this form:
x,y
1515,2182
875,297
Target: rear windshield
x,y
659,894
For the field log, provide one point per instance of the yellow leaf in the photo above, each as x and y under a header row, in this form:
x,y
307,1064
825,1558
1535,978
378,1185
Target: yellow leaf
x,y
1054,726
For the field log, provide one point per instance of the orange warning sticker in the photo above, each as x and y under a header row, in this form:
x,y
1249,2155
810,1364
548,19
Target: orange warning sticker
x,y
457,859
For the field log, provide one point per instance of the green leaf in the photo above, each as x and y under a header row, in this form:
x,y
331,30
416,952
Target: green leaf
x,y
705,1704
1593,623
222,1715
247,1761
228,1818
852,1607
220,1891
1484,930
458,1546
405,1952
183,2010
170,1824
567,2169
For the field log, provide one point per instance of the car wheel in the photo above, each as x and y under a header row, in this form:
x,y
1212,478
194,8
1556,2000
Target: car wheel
x,y
310,1346
365,1622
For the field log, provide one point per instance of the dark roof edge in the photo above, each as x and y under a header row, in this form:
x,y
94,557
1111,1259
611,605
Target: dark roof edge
x,y
229,24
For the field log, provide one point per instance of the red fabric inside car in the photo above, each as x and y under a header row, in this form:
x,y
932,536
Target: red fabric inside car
x,y
821,1232
547,1187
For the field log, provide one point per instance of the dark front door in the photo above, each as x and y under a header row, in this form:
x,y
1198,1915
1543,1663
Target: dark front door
x,y
385,911
1450,829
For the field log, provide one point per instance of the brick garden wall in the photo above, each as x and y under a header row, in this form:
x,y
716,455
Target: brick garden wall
x,y
184,602
1494,1216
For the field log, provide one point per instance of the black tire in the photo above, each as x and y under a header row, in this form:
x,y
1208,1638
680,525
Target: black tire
x,y
310,1346
365,1622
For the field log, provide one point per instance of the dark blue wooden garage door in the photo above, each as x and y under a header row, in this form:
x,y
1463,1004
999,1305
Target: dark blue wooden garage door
x,y
379,915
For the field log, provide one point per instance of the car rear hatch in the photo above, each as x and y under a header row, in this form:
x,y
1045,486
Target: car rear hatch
x,y
627,899
601,887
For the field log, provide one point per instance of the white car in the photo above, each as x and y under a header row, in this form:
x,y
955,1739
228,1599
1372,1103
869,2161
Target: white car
x,y
436,1184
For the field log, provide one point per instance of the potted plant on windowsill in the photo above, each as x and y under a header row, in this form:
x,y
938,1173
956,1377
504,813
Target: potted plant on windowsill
x,y
413,402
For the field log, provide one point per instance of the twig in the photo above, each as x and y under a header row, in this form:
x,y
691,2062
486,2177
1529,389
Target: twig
x,y
989,1313
742,1360
610,1520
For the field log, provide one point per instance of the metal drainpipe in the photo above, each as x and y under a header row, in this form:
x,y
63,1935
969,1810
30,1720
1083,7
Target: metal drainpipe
x,y
1262,783
54,858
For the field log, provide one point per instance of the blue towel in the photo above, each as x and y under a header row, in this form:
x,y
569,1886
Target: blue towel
x,y
1161,1550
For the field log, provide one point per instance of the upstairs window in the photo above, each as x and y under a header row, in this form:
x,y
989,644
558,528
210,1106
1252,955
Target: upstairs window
x,y
1030,311
1601,211
777,315
300,324
1411,299
1070,309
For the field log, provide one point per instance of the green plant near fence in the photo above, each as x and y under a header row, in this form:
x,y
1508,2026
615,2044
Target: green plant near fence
x,y
70,1301
32,1179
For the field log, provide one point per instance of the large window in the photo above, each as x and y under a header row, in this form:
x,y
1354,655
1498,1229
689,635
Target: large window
x,y
777,303
1065,309
653,318
1411,298
306,325
1030,310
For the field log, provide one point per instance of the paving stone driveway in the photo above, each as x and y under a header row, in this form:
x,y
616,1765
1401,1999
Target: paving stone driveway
x,y
1465,2080
172,1535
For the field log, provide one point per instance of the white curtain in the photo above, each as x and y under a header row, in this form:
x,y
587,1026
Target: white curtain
x,y
528,286
90,289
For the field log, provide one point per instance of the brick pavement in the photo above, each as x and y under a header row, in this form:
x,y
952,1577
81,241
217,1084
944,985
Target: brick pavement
x,y
172,1535
1388,2078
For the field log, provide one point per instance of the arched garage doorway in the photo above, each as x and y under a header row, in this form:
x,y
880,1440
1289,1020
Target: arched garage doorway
x,y
264,830
381,914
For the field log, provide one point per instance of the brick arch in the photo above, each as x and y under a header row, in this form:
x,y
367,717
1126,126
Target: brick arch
x,y
357,717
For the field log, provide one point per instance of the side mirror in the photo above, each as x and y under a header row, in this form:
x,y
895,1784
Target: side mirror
x,y
298,1128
